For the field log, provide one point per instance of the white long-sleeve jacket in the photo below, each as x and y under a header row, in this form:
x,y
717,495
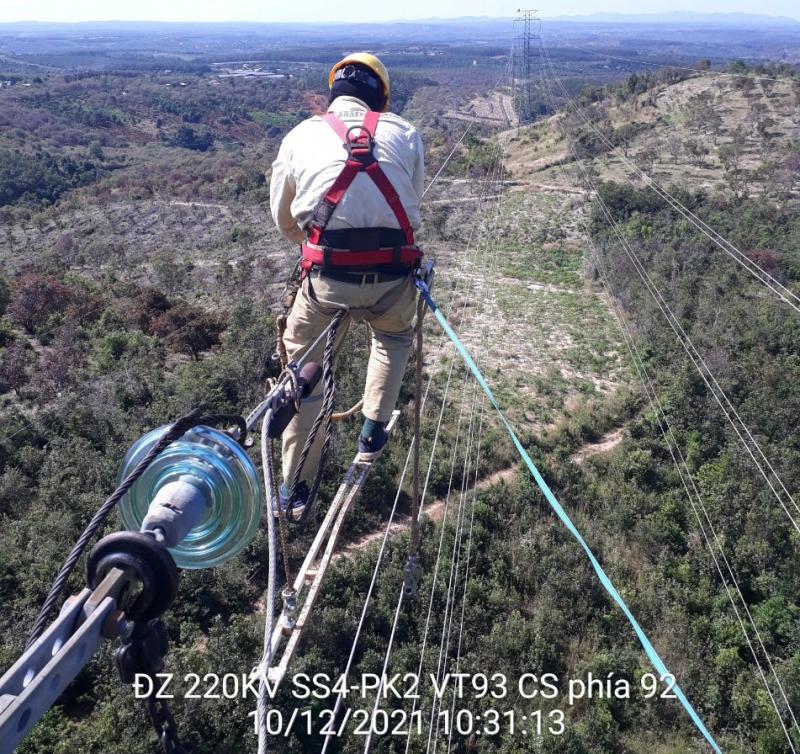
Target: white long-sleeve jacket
x,y
311,156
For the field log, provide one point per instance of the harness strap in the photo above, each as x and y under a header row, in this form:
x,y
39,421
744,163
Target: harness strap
x,y
319,256
331,199
370,124
379,178
360,159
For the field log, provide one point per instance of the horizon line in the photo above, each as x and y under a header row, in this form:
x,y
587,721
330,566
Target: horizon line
x,y
577,17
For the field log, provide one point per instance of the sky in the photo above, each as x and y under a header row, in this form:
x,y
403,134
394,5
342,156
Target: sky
x,y
331,10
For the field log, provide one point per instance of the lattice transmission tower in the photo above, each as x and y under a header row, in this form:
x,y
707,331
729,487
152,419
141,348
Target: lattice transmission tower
x,y
524,47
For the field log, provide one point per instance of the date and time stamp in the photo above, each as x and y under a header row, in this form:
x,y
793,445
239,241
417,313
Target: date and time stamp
x,y
465,704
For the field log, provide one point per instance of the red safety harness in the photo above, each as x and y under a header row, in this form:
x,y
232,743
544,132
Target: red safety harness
x,y
360,159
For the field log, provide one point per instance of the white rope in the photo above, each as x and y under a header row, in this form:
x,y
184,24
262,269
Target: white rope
x,y
269,601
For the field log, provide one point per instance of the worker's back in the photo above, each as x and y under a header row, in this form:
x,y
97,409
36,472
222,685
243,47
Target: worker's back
x,y
312,155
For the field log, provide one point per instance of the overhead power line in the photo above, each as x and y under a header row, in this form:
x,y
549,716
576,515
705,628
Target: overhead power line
x,y
689,485
672,445
471,244
780,290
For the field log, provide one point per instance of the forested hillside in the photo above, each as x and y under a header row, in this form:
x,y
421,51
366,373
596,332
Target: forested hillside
x,y
655,476
140,275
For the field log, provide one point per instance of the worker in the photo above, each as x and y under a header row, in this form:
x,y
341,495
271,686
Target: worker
x,y
347,186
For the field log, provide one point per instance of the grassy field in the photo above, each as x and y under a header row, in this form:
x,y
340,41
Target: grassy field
x,y
714,131
552,341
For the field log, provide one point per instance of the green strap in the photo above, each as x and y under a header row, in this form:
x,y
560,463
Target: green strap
x,y
656,661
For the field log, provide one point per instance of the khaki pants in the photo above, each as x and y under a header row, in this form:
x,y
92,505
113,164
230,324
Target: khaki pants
x,y
389,308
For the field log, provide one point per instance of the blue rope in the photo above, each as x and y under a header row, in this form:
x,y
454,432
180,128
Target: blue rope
x,y
656,661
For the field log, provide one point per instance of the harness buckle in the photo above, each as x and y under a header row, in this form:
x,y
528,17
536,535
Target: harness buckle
x,y
359,148
426,273
366,275
322,214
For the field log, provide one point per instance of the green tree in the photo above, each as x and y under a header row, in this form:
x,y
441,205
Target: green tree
x,y
5,294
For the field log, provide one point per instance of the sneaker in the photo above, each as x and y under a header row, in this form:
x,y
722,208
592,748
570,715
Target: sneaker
x,y
294,509
370,448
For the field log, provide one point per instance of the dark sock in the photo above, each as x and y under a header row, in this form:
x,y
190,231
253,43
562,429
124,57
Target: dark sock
x,y
302,489
371,428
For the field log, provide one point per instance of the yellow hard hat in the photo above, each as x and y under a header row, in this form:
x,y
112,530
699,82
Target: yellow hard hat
x,y
371,62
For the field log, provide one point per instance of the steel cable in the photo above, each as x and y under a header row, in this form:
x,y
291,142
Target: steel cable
x,y
443,649
485,227
697,360
270,486
684,473
442,341
455,558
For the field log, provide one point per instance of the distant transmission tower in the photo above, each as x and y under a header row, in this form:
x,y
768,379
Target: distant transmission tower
x,y
523,50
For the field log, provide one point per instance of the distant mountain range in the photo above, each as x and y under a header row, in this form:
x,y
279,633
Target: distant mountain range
x,y
674,18
682,18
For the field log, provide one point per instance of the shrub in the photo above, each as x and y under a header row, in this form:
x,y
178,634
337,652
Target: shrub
x,y
36,299
13,367
188,329
5,295
150,304
188,138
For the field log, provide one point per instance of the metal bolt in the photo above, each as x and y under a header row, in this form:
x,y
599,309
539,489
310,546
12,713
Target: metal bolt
x,y
117,625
